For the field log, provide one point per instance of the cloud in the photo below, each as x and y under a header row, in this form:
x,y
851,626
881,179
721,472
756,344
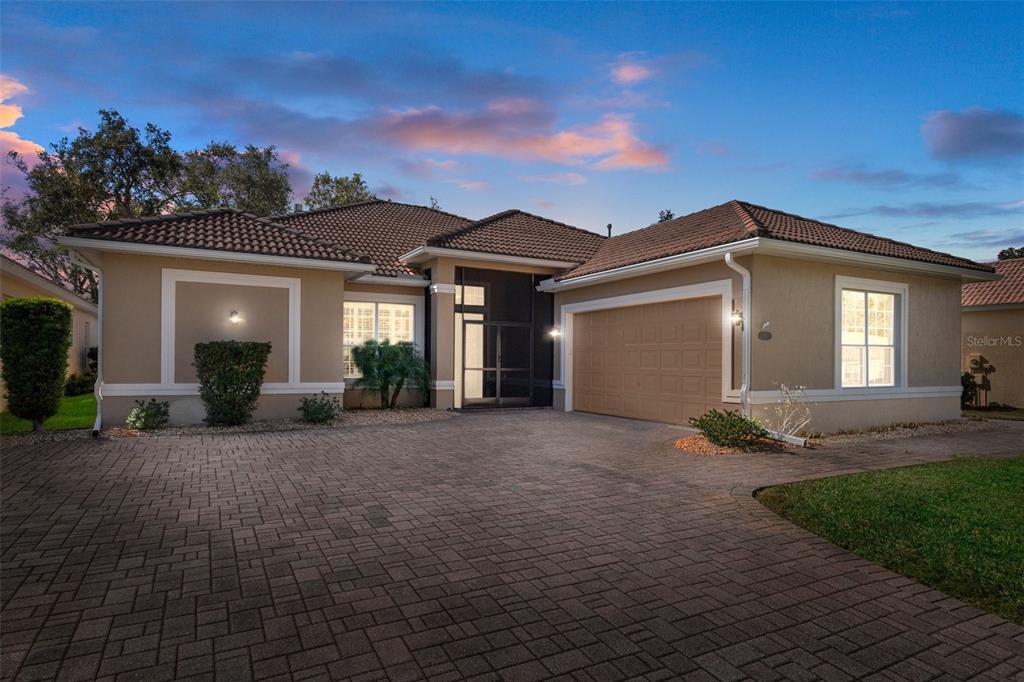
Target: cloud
x,y
544,203
974,133
886,179
1009,237
471,185
10,141
558,178
427,168
631,68
299,175
388,191
961,211
628,71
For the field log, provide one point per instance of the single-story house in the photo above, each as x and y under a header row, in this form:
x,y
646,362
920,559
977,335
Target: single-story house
x,y
18,281
992,326
714,309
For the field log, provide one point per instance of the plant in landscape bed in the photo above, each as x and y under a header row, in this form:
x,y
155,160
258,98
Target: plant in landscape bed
x,y
230,377
319,409
36,335
149,415
728,429
79,384
957,526
387,368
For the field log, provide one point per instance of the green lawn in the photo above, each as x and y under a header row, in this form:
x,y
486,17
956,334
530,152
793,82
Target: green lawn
x,y
1013,415
957,526
75,413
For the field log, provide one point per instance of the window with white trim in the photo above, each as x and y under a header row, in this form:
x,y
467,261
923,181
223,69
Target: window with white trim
x,y
868,337
366,320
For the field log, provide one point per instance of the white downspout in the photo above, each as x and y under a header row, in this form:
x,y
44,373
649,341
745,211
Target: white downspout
x,y
97,388
745,386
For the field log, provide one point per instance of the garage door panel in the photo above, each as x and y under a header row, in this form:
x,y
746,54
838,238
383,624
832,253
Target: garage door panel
x,y
660,362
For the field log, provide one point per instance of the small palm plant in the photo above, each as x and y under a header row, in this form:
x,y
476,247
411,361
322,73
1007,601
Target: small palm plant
x,y
388,368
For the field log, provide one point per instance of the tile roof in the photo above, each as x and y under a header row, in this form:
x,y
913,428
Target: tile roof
x,y
517,233
221,229
384,230
1007,290
738,220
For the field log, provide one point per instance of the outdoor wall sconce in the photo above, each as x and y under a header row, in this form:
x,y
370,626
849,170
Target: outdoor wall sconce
x,y
555,333
737,317
234,317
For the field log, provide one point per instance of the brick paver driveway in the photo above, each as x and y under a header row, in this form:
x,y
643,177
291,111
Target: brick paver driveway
x,y
513,546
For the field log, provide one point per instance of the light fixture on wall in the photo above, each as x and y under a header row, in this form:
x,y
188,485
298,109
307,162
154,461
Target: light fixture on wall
x,y
234,317
737,317
555,332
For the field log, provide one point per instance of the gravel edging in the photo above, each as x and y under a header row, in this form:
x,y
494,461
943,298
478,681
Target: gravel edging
x,y
905,431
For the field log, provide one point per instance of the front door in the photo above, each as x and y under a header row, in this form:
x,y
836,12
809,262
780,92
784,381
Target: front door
x,y
497,363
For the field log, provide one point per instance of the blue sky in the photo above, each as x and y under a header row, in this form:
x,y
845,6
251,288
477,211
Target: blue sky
x,y
906,120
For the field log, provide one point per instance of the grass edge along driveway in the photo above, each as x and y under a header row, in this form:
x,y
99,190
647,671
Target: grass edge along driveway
x,y
956,526
78,412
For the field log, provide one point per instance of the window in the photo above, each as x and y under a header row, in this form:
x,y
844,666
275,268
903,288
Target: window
x,y
367,320
868,338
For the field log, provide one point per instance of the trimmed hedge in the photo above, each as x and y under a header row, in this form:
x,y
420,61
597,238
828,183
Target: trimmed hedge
x,y
728,429
230,377
36,334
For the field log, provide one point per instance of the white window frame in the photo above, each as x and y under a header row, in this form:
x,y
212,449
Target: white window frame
x,y
900,327
418,322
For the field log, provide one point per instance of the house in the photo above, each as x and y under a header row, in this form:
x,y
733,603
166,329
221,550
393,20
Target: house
x,y
992,326
715,309
18,281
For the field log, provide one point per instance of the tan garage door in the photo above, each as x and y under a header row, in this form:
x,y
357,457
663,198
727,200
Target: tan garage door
x,y
661,362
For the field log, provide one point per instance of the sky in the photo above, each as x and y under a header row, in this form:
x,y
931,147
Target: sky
x,y
903,120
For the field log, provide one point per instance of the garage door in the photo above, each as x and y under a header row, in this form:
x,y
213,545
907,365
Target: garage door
x,y
661,362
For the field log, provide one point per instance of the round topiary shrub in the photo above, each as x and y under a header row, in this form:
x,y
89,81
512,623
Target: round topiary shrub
x,y
36,335
230,377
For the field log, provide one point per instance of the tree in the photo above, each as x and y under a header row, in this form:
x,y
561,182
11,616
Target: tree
x,y
434,204
328,191
386,368
254,180
37,335
1011,252
666,214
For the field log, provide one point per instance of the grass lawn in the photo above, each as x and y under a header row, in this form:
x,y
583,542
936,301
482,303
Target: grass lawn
x,y
75,413
1014,415
957,526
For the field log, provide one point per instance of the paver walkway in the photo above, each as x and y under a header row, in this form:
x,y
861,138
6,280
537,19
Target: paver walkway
x,y
513,546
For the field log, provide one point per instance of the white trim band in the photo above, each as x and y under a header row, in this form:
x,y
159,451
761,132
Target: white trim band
x,y
148,390
827,395
443,385
442,289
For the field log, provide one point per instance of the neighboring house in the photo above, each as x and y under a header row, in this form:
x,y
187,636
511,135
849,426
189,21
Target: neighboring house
x,y
992,325
713,309
17,281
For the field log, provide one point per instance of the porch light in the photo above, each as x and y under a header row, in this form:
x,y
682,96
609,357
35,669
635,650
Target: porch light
x,y
737,317
234,317
555,333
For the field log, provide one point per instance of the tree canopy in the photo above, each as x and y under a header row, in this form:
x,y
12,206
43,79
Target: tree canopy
x,y
1011,252
329,191
666,214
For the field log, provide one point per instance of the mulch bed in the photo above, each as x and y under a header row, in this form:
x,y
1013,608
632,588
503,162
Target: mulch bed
x,y
701,446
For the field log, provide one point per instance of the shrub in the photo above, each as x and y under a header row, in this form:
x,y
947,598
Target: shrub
x,y
728,429
79,384
319,409
151,415
230,377
36,335
386,368
968,390
92,359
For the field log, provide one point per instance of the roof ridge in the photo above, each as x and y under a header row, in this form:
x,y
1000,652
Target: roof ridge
x,y
476,224
851,230
135,220
367,203
753,227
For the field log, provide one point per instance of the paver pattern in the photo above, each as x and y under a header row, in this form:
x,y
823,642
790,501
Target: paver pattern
x,y
506,546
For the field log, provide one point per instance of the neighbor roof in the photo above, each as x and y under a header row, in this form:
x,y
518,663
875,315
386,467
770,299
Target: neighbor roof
x,y
738,220
1007,290
517,233
222,229
384,230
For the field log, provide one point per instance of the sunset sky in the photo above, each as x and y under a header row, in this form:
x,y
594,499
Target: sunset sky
x,y
902,120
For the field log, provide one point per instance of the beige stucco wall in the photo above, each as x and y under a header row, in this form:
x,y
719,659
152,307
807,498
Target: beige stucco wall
x,y
798,298
829,417
999,336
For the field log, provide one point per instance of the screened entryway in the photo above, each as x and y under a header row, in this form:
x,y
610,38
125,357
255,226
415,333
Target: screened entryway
x,y
503,351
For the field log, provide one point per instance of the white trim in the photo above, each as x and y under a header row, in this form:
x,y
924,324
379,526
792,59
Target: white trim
x,y
392,281
827,395
169,279
210,254
558,385
682,260
147,390
901,289
722,288
422,253
443,385
419,324
442,289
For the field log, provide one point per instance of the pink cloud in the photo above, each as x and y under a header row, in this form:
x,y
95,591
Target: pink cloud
x,y
524,131
9,87
10,141
628,73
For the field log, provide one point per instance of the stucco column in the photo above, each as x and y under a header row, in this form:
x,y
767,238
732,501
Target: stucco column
x,y
442,336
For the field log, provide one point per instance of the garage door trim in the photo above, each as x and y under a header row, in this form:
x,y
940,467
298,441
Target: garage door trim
x,y
722,288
